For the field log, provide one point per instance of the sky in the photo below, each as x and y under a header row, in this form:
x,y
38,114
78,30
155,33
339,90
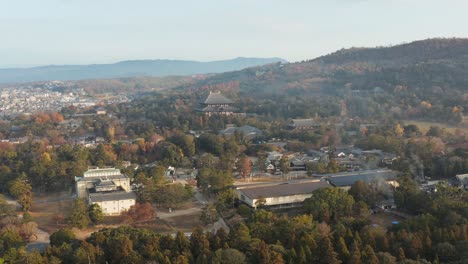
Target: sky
x,y
44,32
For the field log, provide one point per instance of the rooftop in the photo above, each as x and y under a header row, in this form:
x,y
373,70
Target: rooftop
x,y
304,123
96,172
111,196
349,178
285,189
217,98
246,130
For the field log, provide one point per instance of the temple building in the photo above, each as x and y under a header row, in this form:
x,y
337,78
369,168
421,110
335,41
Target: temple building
x,y
108,188
216,103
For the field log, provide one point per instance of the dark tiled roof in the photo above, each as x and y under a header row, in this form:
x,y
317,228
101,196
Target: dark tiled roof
x,y
111,196
246,130
349,178
217,98
225,108
283,189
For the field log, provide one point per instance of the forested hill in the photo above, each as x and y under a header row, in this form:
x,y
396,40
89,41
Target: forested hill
x,y
433,65
128,69
422,51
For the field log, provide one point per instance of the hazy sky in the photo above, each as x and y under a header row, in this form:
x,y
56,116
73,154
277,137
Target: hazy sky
x,y
38,32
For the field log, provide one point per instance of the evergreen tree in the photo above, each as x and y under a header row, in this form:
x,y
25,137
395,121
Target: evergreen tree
x,y
355,254
79,214
326,252
370,257
401,254
95,213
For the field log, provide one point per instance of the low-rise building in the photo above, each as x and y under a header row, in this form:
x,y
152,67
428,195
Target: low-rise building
x,y
107,187
345,180
281,195
463,180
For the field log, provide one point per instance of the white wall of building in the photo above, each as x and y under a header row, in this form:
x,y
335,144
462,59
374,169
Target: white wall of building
x,y
115,207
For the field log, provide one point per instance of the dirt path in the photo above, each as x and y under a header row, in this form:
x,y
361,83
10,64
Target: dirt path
x,y
43,239
174,213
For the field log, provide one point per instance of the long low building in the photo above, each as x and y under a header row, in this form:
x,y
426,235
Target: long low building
x,y
345,180
280,195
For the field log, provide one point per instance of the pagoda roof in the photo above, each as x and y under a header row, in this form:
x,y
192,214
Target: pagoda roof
x,y
217,98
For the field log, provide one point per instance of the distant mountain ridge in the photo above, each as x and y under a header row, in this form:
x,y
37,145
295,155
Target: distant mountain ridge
x,y
131,68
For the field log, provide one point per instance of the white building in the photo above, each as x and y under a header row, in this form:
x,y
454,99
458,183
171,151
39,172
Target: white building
x,y
280,195
107,187
113,203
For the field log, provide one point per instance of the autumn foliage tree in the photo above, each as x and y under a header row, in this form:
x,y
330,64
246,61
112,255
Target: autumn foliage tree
x,y
141,212
245,167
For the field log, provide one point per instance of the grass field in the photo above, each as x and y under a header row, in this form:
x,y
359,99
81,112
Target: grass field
x,y
425,125
384,219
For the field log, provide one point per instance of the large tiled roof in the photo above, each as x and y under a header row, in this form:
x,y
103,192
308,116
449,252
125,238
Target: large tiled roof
x,y
111,196
226,108
283,189
217,98
246,130
349,178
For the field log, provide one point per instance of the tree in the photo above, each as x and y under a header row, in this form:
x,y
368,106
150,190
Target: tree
x,y
240,237
228,256
401,254
329,202
284,165
370,257
245,167
141,212
260,164
6,209
362,192
263,254
355,254
434,131
79,214
398,130
386,258
199,243
61,236
326,252
95,213
21,189
209,214
173,195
